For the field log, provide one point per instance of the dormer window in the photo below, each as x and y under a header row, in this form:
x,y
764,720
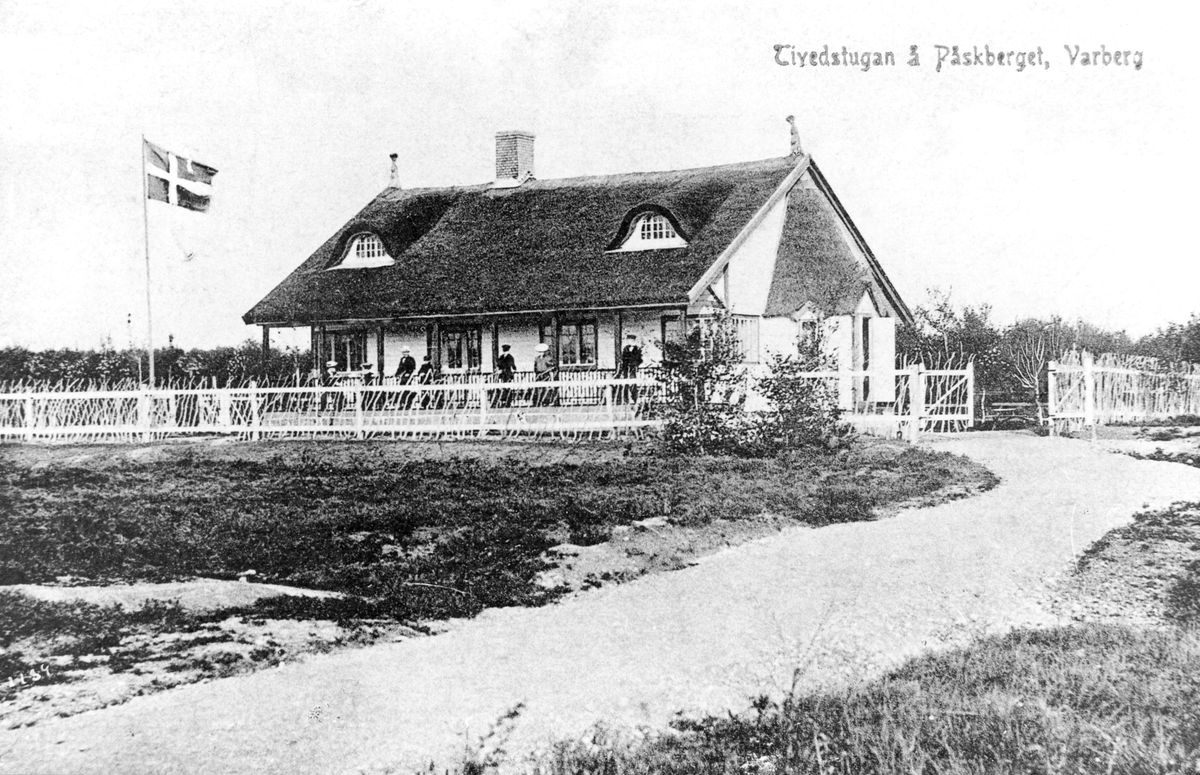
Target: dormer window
x,y
364,251
656,227
650,231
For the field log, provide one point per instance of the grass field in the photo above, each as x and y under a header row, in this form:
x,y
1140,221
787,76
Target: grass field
x,y
421,532
405,534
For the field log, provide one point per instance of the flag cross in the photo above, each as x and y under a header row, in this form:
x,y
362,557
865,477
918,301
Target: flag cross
x,y
175,180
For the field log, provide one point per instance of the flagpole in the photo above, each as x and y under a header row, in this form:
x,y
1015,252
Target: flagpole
x,y
146,232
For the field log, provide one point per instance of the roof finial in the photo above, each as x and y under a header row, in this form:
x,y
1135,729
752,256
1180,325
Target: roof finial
x,y
796,149
395,182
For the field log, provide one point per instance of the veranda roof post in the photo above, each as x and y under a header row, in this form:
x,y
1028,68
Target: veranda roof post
x,y
266,351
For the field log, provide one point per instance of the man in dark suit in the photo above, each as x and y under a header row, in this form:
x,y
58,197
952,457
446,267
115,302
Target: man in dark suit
x,y
408,365
631,361
404,375
506,366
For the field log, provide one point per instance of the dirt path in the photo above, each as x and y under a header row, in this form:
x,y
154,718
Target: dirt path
x,y
839,602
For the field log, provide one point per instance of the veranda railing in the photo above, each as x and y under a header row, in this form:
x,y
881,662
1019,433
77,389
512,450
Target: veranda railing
x,y
902,403
559,408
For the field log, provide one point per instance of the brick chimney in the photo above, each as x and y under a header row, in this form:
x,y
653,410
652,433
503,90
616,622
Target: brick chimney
x,y
514,158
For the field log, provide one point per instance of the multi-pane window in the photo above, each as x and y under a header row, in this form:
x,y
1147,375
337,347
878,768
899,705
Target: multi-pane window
x,y
461,347
656,227
577,344
348,348
369,246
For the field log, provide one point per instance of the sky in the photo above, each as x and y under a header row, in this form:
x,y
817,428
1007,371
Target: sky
x,y
1063,190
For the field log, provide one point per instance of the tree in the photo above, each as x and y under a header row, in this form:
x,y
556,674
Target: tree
x,y
1028,346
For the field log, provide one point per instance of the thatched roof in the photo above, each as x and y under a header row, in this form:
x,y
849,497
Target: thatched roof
x,y
540,246
814,264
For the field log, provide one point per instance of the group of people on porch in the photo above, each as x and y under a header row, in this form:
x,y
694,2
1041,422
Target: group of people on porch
x,y
545,369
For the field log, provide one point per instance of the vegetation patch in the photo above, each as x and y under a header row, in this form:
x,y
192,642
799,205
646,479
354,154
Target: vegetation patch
x,y
415,538
1097,696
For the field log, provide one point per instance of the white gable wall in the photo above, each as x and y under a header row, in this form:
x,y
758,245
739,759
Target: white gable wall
x,y
752,266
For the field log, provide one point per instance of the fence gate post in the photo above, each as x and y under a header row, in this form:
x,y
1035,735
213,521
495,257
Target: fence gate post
x,y
358,413
254,419
1089,394
483,413
29,417
144,414
610,410
1051,396
971,393
916,402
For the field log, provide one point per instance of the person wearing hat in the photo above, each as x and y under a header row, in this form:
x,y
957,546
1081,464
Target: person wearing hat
x,y
506,366
369,396
408,365
404,374
328,381
544,368
631,361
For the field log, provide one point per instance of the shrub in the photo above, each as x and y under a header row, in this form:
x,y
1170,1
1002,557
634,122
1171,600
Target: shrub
x,y
708,382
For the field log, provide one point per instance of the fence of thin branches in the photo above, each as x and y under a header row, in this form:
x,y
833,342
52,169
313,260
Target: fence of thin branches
x,y
1092,390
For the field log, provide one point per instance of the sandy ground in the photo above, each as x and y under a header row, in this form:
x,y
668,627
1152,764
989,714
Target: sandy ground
x,y
815,606
195,595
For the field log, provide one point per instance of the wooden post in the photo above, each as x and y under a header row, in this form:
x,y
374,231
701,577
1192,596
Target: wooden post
x,y
358,413
610,409
495,342
918,401
556,327
1051,396
1089,394
434,336
314,347
144,414
379,352
618,337
971,393
224,408
483,409
30,418
254,419
266,349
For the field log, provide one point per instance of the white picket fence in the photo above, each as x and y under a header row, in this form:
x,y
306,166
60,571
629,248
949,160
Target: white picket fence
x,y
919,401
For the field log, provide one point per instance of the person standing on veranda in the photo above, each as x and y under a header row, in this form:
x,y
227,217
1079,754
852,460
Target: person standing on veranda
x,y
544,369
631,361
506,367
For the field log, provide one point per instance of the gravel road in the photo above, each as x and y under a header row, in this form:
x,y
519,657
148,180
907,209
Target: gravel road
x,y
837,603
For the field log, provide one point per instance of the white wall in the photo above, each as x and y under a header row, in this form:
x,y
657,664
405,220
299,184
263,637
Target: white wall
x,y
412,336
647,325
752,266
521,339
777,335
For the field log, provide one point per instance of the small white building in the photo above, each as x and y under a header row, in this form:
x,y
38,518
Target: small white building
x,y
580,263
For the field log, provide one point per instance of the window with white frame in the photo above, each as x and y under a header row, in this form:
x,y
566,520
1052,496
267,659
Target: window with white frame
x,y
364,251
652,231
577,344
655,227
